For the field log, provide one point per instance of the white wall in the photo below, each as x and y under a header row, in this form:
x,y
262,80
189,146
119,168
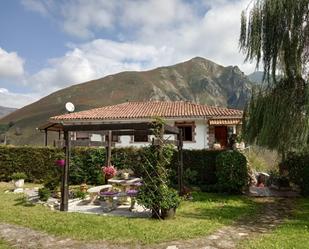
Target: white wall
x,y
201,137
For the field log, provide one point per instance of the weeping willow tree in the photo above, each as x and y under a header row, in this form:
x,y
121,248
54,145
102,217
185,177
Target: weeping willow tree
x,y
275,33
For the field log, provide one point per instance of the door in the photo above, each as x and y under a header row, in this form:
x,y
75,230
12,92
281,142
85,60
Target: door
x,y
221,135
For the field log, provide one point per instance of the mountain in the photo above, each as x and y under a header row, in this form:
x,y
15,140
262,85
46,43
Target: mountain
x,y
256,77
198,80
6,110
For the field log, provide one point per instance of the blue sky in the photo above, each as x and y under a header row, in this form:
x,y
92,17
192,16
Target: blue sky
x,y
46,45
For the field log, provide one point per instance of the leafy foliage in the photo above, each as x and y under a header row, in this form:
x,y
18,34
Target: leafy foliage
x,y
276,32
86,163
18,176
156,186
298,168
232,171
44,194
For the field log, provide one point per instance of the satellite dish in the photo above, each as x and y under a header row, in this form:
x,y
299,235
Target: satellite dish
x,y
70,107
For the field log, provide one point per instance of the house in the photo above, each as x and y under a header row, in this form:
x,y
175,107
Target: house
x,y
201,125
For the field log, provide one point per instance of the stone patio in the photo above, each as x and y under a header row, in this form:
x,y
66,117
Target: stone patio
x,y
83,206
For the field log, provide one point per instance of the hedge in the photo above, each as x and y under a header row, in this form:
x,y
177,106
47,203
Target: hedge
x,y
39,163
297,165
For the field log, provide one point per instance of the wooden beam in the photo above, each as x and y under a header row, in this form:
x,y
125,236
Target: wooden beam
x,y
109,149
65,175
157,142
102,127
180,162
45,137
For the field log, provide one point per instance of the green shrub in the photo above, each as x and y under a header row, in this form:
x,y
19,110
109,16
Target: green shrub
x,y
170,198
52,184
79,194
190,176
232,171
18,175
44,194
298,169
38,163
201,161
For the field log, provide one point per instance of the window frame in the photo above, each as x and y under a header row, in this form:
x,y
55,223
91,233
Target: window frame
x,y
134,141
183,125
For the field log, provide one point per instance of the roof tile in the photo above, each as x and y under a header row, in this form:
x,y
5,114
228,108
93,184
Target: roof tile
x,y
165,109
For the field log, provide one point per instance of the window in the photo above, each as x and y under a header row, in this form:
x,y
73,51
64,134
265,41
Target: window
x,y
187,129
140,138
115,138
82,136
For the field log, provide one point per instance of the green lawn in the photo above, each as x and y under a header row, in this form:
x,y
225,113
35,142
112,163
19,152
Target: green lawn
x,y
4,245
195,218
294,233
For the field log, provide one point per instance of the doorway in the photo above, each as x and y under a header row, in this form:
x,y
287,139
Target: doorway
x,y
221,135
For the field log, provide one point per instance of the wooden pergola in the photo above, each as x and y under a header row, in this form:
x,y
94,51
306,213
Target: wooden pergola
x,y
108,129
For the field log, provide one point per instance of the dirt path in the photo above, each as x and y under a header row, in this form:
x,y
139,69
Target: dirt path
x,y
273,213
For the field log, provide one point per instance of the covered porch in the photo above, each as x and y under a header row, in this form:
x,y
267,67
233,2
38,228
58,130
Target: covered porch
x,y
65,131
223,131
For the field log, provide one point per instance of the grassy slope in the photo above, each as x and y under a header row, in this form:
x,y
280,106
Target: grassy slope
x,y
200,217
294,233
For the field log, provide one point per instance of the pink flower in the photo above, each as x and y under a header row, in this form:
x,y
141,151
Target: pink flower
x,y
60,162
109,171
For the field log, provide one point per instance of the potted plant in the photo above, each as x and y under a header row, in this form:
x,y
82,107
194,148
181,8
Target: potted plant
x,y
169,203
163,201
19,179
217,146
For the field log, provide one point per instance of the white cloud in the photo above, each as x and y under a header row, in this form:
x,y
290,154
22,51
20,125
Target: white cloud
x,y
11,65
15,100
80,17
153,33
94,60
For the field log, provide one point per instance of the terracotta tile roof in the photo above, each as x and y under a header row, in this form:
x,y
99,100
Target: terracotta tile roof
x,y
165,109
228,121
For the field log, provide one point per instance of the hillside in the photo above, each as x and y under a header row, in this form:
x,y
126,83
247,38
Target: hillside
x,y
198,80
6,110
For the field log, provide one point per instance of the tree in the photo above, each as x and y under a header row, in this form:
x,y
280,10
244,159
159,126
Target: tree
x,y
276,33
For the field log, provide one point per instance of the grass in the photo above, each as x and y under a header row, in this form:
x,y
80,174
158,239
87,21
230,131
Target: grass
x,y
200,217
262,159
294,233
4,244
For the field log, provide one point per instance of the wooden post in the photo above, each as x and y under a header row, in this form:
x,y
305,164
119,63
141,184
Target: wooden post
x,y
109,149
65,174
45,137
180,161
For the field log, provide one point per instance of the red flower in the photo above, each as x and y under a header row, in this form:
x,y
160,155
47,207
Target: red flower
x,y
109,171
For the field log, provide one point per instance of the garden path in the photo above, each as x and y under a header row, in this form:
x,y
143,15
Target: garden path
x,y
272,214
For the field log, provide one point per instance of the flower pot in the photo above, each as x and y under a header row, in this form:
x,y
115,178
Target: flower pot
x,y
217,146
168,214
125,175
19,183
83,188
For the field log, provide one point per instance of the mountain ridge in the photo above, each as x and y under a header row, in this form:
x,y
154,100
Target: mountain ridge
x,y
6,110
198,80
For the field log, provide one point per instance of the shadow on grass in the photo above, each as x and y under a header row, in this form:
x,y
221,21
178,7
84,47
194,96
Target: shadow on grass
x,y
23,201
226,212
221,207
